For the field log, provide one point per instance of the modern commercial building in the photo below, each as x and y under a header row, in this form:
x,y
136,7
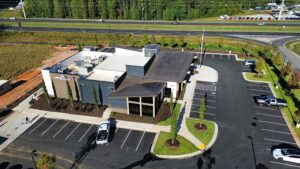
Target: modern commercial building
x,y
130,81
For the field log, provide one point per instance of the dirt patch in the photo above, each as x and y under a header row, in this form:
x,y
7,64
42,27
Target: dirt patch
x,y
162,114
200,127
64,106
172,144
61,54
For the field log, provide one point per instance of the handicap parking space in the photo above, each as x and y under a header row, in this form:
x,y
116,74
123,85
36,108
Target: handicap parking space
x,y
69,132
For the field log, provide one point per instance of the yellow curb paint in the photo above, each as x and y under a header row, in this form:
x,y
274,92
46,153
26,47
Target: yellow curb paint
x,y
201,146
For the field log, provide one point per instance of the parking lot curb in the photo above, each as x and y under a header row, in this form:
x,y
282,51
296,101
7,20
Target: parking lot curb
x,y
196,153
295,136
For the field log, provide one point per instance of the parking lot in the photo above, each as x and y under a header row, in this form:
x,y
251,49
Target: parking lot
x,y
271,125
68,138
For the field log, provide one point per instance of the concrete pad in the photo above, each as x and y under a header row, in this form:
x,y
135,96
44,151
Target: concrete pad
x,y
206,74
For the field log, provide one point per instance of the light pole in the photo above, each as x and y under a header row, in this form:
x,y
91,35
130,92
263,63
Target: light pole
x,y
33,153
143,8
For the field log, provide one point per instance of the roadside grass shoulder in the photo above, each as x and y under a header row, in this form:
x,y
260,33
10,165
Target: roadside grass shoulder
x,y
168,121
185,147
204,136
294,46
288,111
10,14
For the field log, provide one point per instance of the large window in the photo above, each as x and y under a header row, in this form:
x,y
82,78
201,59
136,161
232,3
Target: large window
x,y
134,108
134,99
147,100
147,110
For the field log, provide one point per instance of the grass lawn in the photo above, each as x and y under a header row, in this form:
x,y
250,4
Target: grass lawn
x,y
185,147
15,59
231,28
10,14
289,111
294,46
167,122
204,136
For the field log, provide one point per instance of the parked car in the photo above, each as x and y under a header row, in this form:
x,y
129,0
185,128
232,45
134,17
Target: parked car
x,y
249,62
287,154
103,132
270,101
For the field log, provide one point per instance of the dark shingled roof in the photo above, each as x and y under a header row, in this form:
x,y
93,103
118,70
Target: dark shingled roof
x,y
170,66
139,90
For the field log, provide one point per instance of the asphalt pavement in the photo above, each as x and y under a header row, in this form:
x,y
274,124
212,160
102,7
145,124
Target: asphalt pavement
x,y
247,132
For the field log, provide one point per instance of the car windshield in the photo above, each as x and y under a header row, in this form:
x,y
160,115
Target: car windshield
x,y
290,151
102,135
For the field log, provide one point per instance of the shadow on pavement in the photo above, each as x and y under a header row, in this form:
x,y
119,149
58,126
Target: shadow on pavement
x,y
261,166
280,146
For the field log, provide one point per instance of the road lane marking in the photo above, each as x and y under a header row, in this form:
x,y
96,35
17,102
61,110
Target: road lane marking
x,y
85,133
37,126
73,131
269,115
290,165
49,127
61,129
281,132
260,107
257,90
280,141
262,121
140,141
125,139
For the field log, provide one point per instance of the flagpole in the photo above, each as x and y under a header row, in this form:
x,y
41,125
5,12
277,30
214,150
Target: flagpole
x,y
201,47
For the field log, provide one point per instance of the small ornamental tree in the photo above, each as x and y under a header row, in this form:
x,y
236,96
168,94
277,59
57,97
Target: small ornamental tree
x,y
286,70
96,40
221,42
95,99
277,60
46,161
294,80
172,41
171,103
70,95
202,108
163,40
46,93
145,39
259,67
181,40
174,128
153,39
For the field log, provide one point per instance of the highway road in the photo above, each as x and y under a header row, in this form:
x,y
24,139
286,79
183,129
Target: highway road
x,y
239,23
158,32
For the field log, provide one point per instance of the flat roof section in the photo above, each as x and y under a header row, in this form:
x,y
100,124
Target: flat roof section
x,y
121,58
105,75
170,66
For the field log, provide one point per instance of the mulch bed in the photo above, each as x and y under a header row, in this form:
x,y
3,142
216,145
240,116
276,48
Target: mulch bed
x,y
200,127
171,145
64,106
162,114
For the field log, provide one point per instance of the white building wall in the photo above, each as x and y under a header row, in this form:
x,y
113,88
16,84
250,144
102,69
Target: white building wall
x,y
174,88
48,82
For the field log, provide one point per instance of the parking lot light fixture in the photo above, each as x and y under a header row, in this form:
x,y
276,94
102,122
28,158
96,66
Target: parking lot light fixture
x,y
33,154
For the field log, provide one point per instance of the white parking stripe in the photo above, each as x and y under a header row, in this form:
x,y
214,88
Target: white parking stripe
x,y
262,121
281,132
267,108
37,126
49,127
258,85
204,94
72,131
204,113
280,141
85,133
210,107
269,115
140,141
125,139
257,90
61,129
290,165
206,100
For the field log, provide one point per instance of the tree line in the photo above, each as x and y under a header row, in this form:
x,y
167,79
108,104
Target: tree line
x,y
136,9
